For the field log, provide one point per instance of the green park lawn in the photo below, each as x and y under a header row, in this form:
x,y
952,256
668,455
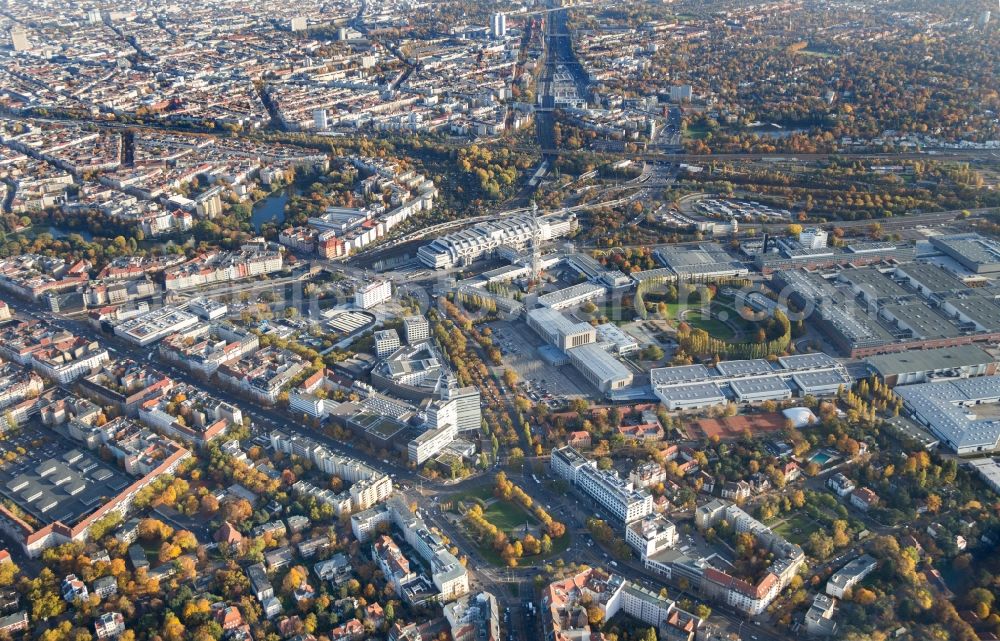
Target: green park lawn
x,y
508,516
696,133
796,528
713,326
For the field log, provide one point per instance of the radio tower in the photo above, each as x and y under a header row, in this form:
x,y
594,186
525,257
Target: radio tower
x,y
536,244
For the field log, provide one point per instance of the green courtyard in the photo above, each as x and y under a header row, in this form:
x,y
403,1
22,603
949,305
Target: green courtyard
x,y
796,528
510,518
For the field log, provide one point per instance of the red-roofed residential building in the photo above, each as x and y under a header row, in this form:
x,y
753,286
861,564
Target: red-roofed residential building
x,y
229,617
565,603
375,614
228,534
109,625
350,631
564,614
739,593
642,432
578,439
791,470
864,499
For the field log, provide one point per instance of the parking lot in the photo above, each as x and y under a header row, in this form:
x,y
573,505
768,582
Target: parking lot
x,y
744,210
519,347
56,478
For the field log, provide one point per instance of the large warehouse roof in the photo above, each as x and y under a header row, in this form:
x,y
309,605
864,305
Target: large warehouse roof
x,y
942,407
929,360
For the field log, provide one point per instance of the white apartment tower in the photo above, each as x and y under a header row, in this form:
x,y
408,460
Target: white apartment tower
x,y
386,342
499,25
813,238
373,294
417,329
468,407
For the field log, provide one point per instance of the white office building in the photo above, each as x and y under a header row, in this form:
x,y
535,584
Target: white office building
x,y
559,330
651,535
441,430
373,294
602,369
680,93
154,325
416,329
850,575
386,342
813,238
468,407
499,25
617,496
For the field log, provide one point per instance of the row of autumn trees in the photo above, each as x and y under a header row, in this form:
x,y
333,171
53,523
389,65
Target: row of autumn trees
x,y
506,490
509,548
698,341
452,335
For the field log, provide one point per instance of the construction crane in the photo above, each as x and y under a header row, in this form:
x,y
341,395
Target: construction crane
x,y
536,244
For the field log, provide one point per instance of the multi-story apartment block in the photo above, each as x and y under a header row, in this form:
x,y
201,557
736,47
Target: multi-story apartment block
x,y
67,360
386,342
373,294
369,486
109,625
264,374
474,618
32,276
204,347
850,575
617,496
17,385
448,575
259,583
753,599
648,475
417,329
468,407
219,268
124,384
190,414
302,239
565,604
651,535
430,442
313,396
410,586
